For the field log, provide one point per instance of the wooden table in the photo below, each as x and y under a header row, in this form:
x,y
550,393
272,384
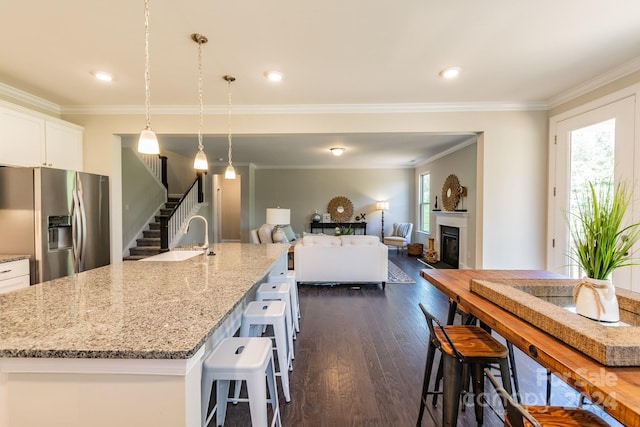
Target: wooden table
x,y
331,226
615,389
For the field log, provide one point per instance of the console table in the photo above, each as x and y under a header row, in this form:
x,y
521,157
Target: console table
x,y
332,226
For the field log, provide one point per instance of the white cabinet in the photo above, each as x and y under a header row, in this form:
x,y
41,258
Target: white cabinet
x,y
14,275
63,145
21,138
28,138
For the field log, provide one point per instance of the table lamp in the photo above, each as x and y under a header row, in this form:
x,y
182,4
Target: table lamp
x,y
278,217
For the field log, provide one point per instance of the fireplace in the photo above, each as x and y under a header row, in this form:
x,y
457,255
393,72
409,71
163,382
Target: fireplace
x,y
449,248
452,245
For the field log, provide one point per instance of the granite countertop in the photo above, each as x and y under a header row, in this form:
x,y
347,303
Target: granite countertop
x,y
133,310
9,258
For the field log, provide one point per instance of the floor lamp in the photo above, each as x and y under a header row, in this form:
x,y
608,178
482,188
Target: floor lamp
x,y
382,206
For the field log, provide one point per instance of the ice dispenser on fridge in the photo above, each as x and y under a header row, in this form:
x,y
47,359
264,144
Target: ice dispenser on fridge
x,y
60,232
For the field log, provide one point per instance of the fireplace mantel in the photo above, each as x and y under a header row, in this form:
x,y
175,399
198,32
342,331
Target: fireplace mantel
x,y
453,219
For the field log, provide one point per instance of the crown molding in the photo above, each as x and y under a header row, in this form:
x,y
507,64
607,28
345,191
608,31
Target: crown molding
x,y
472,140
12,94
595,83
309,109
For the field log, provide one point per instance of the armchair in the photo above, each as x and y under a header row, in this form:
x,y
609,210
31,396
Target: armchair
x,y
400,236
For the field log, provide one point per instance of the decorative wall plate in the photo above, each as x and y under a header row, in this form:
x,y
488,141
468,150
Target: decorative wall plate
x,y
451,193
341,209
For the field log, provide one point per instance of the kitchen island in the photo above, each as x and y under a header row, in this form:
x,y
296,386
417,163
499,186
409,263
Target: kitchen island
x,y
123,344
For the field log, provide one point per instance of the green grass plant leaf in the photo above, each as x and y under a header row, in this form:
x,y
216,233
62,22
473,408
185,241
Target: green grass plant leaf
x,y
601,243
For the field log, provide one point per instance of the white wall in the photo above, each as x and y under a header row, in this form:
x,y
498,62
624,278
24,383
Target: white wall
x,y
306,190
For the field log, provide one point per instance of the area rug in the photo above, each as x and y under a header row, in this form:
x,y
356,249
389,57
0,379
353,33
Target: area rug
x,y
396,275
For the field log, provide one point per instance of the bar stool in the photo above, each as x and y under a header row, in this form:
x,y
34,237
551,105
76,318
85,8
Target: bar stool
x,y
246,359
460,346
289,276
538,416
469,319
280,292
258,314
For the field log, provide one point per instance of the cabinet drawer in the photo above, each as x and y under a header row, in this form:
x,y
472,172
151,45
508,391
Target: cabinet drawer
x,y
11,269
14,283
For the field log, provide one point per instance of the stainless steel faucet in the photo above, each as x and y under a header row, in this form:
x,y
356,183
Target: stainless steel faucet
x,y
205,246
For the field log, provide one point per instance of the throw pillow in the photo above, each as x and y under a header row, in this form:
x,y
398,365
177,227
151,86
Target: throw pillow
x,y
264,233
360,240
288,231
400,230
316,240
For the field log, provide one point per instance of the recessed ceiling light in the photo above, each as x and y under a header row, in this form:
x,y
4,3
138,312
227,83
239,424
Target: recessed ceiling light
x,y
274,76
105,77
450,73
337,151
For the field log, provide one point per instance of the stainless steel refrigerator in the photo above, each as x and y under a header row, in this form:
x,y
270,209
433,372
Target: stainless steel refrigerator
x,y
59,217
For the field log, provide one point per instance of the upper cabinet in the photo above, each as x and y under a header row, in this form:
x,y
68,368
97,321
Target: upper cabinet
x,y
21,138
33,139
63,145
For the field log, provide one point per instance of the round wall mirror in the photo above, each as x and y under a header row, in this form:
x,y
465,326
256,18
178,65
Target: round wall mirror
x,y
341,209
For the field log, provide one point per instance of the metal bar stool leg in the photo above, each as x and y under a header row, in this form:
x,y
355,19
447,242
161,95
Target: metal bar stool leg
x,y
514,371
431,353
436,385
477,373
452,385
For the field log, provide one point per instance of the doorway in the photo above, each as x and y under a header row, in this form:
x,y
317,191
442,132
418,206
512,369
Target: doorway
x,y
595,146
226,209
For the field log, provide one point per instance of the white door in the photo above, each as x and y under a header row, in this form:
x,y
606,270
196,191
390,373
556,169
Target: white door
x,y
593,146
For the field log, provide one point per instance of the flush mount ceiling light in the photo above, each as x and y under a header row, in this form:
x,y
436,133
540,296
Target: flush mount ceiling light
x,y
274,76
230,172
337,151
450,73
200,162
148,141
102,76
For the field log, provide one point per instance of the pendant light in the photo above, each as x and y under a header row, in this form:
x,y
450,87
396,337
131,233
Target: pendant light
x,y
148,141
200,162
230,172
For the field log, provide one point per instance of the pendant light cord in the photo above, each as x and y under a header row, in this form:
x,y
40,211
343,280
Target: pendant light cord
x,y
200,146
147,78
229,80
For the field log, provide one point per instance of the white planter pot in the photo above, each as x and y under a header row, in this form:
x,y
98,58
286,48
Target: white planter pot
x,y
596,299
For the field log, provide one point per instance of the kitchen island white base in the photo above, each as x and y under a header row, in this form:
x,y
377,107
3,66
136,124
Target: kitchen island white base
x,y
83,392
145,316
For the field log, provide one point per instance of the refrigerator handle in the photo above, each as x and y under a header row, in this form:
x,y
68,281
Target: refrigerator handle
x,y
75,232
83,231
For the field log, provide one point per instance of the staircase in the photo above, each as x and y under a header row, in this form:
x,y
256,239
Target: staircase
x,y
149,244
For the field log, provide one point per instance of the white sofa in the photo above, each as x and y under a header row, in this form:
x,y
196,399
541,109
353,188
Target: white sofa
x,y
341,259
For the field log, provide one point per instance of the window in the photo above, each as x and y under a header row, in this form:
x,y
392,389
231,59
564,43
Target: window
x,y
425,197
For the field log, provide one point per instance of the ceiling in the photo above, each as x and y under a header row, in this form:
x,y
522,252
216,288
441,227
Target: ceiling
x,y
335,55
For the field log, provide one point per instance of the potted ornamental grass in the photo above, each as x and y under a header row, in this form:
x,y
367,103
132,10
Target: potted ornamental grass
x,y
601,244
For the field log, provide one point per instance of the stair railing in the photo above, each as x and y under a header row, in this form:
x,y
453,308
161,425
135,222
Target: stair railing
x,y
157,165
171,225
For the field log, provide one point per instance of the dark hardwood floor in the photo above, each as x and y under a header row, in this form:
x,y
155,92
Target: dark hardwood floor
x,y
360,355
